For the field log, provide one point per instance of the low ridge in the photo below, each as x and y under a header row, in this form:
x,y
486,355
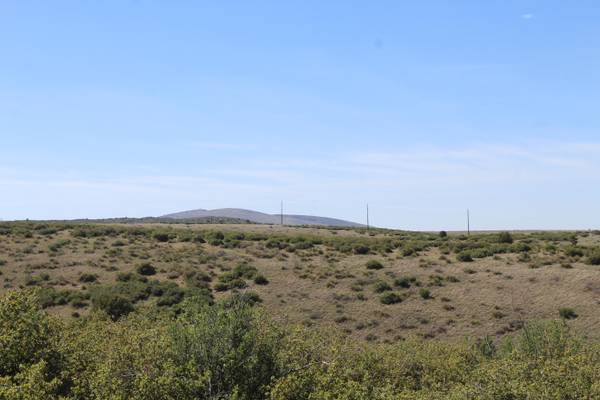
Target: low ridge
x,y
261,218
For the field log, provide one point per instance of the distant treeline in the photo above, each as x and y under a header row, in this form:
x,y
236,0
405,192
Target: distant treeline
x,y
150,220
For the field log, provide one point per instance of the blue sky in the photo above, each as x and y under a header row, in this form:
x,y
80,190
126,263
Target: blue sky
x,y
422,109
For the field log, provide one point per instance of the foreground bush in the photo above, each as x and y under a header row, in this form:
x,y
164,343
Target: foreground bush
x,y
232,351
27,334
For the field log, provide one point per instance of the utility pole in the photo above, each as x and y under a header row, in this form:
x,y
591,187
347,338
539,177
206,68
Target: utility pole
x,y
281,212
368,216
468,223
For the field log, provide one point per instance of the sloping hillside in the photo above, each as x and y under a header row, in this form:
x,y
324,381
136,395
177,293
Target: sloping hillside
x,y
261,218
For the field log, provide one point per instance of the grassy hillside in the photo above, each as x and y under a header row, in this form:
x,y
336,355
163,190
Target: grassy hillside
x,y
155,311
379,286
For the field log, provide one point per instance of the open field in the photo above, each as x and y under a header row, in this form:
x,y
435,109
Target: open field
x,y
380,286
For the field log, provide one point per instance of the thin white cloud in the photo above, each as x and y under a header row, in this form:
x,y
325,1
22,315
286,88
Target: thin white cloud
x,y
336,181
537,159
527,16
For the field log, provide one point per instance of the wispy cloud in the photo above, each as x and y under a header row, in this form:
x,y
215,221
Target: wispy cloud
x,y
527,16
536,162
490,162
390,177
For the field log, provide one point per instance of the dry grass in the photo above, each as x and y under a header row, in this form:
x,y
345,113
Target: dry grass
x,y
493,295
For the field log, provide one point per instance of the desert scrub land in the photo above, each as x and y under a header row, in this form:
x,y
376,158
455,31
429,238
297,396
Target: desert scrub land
x,y
250,312
380,286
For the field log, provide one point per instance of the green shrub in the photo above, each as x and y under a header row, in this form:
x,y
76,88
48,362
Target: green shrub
x,y
361,249
215,238
403,282
408,251
261,280
520,247
390,298
574,251
133,291
443,234
303,245
247,298
197,279
146,269
237,283
78,299
436,280
245,271
170,294
567,313
425,293
464,256
27,335
381,287
374,264
114,305
505,237
199,239
235,278
233,345
88,278
480,252
273,243
125,276
221,286
161,236
59,244
49,297
593,257
31,280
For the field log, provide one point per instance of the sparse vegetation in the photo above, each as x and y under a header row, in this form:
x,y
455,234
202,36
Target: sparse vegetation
x,y
116,268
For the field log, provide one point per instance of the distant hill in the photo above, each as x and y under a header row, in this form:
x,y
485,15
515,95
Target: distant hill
x,y
260,218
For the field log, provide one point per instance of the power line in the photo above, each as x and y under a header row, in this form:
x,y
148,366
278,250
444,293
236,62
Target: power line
x,y
468,223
